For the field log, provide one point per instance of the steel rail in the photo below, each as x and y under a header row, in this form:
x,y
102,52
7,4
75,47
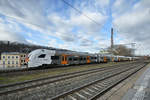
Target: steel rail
x,y
113,85
61,75
25,70
86,85
65,76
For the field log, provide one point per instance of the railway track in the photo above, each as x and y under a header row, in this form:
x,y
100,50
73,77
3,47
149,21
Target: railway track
x,y
23,71
7,91
52,78
95,89
26,69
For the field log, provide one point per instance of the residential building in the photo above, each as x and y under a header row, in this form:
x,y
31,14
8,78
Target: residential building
x,y
22,58
12,59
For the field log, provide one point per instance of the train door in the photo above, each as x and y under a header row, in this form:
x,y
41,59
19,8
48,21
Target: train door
x,y
88,59
112,59
119,59
64,60
105,59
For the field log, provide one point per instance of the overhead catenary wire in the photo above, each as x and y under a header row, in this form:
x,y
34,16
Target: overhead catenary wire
x,y
81,12
43,27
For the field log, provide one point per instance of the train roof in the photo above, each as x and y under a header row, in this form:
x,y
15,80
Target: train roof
x,y
72,52
59,52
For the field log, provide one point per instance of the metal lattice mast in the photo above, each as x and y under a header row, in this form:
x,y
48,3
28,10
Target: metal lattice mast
x,y
112,41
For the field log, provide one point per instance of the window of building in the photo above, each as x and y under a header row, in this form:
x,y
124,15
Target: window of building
x,y
16,56
12,57
12,62
42,56
8,62
16,62
8,57
4,57
21,55
3,62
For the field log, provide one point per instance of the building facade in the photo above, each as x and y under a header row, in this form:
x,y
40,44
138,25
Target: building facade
x,y
22,58
12,59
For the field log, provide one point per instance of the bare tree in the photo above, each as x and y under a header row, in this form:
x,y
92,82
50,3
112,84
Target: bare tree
x,y
120,50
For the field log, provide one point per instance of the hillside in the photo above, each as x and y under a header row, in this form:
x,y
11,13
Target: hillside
x,y
7,46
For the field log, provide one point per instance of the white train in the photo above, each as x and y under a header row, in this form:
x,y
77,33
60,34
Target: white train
x,y
42,57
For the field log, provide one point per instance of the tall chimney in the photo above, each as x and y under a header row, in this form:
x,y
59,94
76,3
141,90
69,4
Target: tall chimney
x,y
112,41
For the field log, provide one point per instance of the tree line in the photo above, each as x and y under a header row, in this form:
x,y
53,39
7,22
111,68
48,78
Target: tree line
x,y
7,46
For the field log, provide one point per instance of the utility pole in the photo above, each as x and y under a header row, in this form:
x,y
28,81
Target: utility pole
x,y
112,41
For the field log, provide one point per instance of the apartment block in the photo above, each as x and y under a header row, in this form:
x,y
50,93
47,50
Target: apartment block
x,y
12,59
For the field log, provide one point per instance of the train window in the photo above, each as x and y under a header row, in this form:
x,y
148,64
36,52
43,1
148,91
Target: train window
x,y
95,57
70,59
63,58
102,57
57,57
54,57
42,56
81,58
84,58
74,59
